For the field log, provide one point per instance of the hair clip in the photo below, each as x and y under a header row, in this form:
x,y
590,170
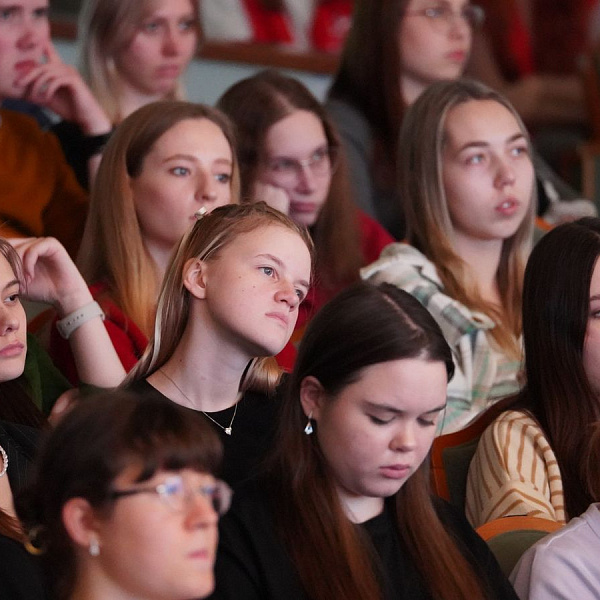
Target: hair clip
x,y
200,213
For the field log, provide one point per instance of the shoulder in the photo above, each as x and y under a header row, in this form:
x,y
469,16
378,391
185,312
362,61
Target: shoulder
x,y
25,129
516,427
402,263
346,114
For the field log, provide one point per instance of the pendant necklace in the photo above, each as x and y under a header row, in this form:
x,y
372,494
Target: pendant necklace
x,y
228,430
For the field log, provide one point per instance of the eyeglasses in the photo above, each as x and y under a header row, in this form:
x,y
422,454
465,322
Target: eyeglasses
x,y
174,493
441,16
321,162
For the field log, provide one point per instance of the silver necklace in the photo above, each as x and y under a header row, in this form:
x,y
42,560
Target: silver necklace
x,y
5,460
227,430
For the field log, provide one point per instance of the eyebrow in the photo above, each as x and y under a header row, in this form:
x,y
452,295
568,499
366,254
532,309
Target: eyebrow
x,y
11,283
594,297
510,140
397,411
279,263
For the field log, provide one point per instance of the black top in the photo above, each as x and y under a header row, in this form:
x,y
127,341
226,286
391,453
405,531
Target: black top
x,y
252,562
20,573
253,430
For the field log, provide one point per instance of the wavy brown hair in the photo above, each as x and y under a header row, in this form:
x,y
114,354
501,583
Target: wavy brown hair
x,y
386,324
257,103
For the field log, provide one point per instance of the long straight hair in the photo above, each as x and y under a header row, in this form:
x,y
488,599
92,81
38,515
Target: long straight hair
x,y
369,76
257,103
113,250
210,235
104,28
364,325
558,394
430,228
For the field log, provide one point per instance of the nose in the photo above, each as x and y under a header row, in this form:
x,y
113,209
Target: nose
x,y
505,174
287,293
306,178
9,322
206,187
172,41
200,511
404,439
28,37
459,26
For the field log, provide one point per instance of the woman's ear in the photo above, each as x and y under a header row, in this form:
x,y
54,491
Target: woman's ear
x,y
312,396
80,521
194,277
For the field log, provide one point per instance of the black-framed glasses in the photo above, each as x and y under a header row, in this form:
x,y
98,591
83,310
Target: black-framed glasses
x,y
175,493
321,162
442,16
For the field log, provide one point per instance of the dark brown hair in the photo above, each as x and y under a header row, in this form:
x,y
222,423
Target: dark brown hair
x,y
362,326
254,105
556,311
86,452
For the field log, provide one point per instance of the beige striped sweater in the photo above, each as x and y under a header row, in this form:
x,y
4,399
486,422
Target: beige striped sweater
x,y
514,472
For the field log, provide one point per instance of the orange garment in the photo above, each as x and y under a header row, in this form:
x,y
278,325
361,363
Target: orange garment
x,y
39,195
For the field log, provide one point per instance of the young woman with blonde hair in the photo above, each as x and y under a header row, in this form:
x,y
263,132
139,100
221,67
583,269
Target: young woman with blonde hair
x,y
468,183
230,299
291,157
343,507
165,162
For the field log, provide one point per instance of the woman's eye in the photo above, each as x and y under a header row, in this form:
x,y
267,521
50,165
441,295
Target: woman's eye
x,y
187,24
519,150
41,13
300,294
378,421
13,298
223,177
180,171
151,27
269,271
283,164
435,12
8,13
426,422
476,159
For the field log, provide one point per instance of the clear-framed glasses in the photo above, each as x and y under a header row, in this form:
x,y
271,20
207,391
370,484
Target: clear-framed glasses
x,y
321,163
442,16
175,493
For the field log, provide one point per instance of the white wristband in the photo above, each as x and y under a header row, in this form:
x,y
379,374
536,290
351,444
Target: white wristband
x,y
77,318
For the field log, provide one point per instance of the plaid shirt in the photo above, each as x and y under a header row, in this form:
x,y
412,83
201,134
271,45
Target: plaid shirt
x,y
483,374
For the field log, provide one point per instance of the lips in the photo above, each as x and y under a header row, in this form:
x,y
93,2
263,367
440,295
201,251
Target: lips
x,y
23,67
508,207
303,207
395,471
169,71
458,56
12,350
281,317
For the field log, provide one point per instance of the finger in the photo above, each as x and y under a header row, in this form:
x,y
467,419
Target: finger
x,y
51,53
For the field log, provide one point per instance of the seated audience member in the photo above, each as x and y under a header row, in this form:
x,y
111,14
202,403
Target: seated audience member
x,y
343,508
166,162
229,299
31,384
290,157
563,565
394,50
532,459
467,182
133,52
39,194
124,502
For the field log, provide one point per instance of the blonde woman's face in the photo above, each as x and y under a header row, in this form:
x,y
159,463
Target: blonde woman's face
x,y
24,35
188,167
486,170
161,48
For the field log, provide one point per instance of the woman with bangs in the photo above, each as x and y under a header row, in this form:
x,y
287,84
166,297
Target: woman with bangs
x,y
468,181
291,157
342,508
166,162
125,502
132,53
228,303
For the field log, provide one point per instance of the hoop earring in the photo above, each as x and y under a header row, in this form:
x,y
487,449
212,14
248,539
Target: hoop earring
x,y
309,428
94,548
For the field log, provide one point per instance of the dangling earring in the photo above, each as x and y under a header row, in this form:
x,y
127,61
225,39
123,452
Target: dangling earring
x,y
309,428
94,548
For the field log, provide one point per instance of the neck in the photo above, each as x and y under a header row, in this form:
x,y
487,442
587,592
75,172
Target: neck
x,y
205,370
360,508
93,584
483,259
411,89
130,99
160,254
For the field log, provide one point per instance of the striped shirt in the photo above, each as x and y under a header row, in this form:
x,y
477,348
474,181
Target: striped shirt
x,y
483,374
514,472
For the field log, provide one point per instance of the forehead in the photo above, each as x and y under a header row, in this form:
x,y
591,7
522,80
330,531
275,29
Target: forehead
x,y
196,135
6,272
168,7
298,132
479,120
595,280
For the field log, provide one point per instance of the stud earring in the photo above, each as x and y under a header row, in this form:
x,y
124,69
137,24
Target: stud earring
x,y
94,548
309,428
200,212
